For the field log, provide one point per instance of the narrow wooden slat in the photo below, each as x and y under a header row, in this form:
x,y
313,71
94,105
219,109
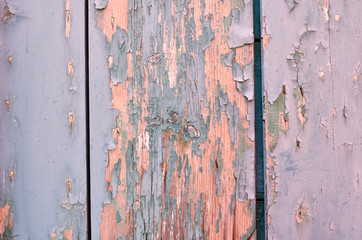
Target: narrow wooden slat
x,y
42,120
172,131
312,73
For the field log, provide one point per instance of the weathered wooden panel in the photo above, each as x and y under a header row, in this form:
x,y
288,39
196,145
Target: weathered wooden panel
x,y
172,132
42,120
312,74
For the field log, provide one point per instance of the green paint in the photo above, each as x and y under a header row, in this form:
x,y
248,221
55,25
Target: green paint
x,y
187,171
242,146
122,132
273,112
132,175
198,217
171,168
219,160
227,23
116,170
238,4
179,166
118,217
212,164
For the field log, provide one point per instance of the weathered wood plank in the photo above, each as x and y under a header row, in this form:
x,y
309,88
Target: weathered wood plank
x,y
312,72
179,77
42,120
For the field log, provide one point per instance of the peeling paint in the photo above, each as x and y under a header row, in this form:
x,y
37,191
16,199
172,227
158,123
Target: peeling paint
x,y
70,69
100,4
71,120
183,126
301,101
11,175
67,18
6,221
67,233
313,168
7,13
241,29
7,103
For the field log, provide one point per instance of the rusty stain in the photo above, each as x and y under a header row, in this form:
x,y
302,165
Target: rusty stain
x,y
7,103
334,112
316,47
11,174
10,59
112,21
297,145
301,100
7,13
71,120
325,8
321,74
355,77
69,185
53,236
67,18
110,61
70,69
301,214
118,130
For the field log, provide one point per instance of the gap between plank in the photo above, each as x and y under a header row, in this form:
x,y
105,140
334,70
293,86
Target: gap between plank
x,y
261,229
87,118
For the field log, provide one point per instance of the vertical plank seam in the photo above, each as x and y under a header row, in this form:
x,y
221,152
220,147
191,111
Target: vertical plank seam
x,y
87,117
260,171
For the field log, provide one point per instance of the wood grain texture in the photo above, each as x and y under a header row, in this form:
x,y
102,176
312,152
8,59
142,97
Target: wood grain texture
x,y
177,160
312,72
42,120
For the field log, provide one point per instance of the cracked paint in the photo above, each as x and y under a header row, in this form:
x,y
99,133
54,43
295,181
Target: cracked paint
x,y
277,121
183,155
309,63
301,101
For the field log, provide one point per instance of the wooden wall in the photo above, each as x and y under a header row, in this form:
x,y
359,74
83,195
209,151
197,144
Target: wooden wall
x,y
169,101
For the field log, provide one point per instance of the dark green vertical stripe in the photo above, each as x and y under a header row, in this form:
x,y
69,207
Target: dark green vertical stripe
x,y
87,116
259,127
